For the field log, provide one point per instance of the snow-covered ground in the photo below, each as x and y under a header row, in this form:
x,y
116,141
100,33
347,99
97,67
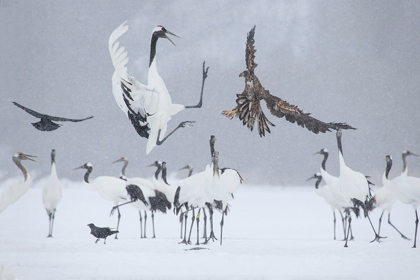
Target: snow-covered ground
x,y
270,233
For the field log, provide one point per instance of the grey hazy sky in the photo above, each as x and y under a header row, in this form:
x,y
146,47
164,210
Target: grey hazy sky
x,y
349,61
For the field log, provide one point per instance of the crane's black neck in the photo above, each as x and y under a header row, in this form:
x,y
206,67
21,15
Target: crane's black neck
x,y
124,167
318,180
404,155
340,147
164,175
212,141
52,158
325,160
388,167
153,44
88,171
159,168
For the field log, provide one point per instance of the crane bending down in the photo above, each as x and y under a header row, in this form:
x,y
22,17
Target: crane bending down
x,y
149,107
51,194
249,109
15,192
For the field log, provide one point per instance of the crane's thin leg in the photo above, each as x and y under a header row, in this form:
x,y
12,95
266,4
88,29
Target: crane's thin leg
x,y
118,223
117,207
96,240
145,219
52,223
211,236
184,241
348,230
389,222
198,227
377,237
205,225
141,224
153,224
221,227
334,224
182,124
351,234
380,221
343,221
192,223
105,240
415,233
49,223
205,71
181,221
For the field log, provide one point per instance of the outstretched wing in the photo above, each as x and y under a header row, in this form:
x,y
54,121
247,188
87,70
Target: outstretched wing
x,y
292,113
250,50
249,109
32,112
131,96
51,118
60,119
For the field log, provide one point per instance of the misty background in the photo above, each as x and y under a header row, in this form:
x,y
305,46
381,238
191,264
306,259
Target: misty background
x,y
346,61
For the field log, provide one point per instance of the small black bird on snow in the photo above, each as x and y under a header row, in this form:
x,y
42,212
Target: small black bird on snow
x,y
101,232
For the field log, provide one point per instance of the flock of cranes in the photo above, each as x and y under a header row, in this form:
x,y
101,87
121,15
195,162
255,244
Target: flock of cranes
x,y
350,192
149,108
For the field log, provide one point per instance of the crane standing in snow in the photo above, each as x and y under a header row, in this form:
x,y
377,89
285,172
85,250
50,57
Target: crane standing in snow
x,y
154,199
51,194
333,190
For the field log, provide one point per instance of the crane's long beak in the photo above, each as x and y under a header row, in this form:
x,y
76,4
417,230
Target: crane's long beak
x,y
317,153
185,167
170,33
150,165
313,177
118,160
29,157
412,154
80,167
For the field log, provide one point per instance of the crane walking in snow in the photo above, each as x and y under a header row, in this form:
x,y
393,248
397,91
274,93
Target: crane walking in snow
x,y
407,189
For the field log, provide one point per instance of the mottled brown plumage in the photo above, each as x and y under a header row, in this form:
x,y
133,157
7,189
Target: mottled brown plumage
x,y
248,108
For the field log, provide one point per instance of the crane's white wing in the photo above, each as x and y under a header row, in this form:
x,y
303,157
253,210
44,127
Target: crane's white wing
x,y
131,96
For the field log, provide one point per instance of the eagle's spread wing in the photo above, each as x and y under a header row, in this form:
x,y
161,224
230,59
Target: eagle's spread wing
x,y
281,108
250,50
248,108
